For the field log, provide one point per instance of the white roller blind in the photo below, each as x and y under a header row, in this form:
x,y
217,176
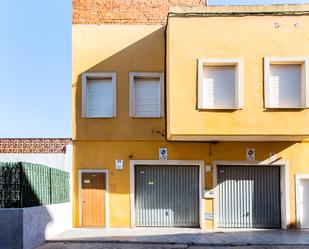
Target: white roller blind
x,y
285,86
218,87
100,98
147,97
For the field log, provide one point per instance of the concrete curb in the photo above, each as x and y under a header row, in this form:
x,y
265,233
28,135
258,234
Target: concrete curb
x,y
233,244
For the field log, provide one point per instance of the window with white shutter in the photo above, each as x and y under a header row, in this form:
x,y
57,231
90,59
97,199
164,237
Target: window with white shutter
x,y
218,88
285,82
146,95
220,84
285,86
99,95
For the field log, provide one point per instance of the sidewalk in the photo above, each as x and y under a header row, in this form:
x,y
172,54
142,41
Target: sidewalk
x,y
185,236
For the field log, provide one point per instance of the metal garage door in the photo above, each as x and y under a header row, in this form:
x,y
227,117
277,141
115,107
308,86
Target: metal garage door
x,y
166,196
249,196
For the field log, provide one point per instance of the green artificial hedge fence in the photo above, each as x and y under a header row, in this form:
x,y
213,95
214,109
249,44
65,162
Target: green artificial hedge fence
x,y
28,185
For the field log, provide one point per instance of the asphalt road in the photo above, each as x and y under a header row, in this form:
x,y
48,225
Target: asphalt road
x,y
157,246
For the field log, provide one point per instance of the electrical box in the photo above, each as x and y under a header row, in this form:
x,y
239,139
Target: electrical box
x,y
119,164
209,194
208,168
208,216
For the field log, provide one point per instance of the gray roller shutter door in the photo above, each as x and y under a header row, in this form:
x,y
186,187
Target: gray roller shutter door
x,y
249,196
166,196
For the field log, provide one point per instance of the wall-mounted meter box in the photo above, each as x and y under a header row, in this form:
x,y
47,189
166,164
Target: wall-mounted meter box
x,y
209,194
119,164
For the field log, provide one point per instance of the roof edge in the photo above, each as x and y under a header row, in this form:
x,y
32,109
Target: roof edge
x,y
241,10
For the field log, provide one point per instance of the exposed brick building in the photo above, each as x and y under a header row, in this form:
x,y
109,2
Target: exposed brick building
x,y
126,11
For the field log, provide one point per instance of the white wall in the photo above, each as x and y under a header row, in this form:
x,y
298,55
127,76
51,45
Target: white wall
x,y
68,158
55,160
36,224
43,222
52,160
28,228
61,219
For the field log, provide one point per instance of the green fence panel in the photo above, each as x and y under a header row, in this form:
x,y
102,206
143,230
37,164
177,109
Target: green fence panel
x,y
28,185
37,179
59,190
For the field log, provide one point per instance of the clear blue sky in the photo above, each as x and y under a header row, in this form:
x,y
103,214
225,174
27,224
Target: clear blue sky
x,y
35,66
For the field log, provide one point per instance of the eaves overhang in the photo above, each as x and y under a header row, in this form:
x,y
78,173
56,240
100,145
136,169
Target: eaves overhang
x,y
239,138
240,10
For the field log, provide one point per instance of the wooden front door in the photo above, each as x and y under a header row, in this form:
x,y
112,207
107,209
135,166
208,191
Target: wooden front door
x,y
93,199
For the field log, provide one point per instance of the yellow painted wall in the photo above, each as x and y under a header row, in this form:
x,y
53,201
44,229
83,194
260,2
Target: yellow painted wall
x,y
121,49
102,155
247,37
128,48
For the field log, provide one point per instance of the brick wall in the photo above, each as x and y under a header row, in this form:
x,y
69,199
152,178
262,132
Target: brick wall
x,y
125,11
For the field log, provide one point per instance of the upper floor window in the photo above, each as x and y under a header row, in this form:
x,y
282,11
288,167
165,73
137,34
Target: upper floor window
x,y
99,95
220,83
286,82
146,95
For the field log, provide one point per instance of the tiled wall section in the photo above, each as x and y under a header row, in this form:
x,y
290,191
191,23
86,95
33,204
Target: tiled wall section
x,y
37,145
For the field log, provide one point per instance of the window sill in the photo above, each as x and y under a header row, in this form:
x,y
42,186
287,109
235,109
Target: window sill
x,y
288,108
98,117
146,117
220,108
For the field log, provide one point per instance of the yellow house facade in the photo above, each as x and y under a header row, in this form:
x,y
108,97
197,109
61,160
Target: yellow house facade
x,y
199,120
